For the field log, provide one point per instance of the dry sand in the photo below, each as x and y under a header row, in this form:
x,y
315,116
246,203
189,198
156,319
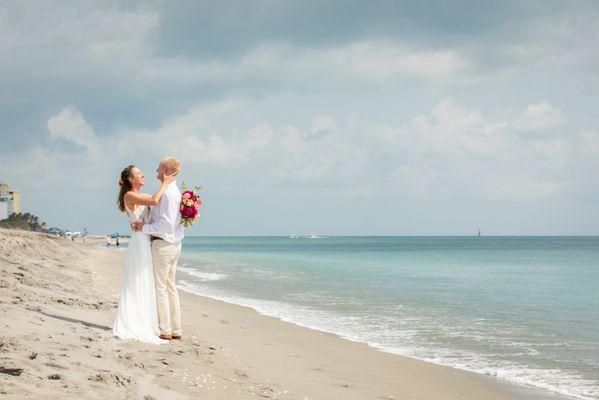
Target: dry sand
x,y
57,303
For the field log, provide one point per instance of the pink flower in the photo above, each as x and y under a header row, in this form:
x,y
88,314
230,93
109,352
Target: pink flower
x,y
182,207
186,195
189,212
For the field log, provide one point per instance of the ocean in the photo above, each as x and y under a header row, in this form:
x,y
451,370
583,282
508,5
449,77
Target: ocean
x,y
521,309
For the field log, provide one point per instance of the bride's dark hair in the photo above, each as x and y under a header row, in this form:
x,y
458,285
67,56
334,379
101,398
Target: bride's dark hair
x,y
125,185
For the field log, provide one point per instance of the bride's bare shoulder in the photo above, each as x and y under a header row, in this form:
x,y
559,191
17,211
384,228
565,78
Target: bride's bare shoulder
x,y
132,196
129,201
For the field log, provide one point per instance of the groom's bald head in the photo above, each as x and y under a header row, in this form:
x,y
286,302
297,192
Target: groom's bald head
x,y
169,166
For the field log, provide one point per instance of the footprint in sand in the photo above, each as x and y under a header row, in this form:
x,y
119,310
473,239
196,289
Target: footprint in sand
x,y
241,374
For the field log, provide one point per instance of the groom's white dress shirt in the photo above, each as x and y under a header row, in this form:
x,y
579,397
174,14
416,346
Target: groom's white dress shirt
x,y
165,218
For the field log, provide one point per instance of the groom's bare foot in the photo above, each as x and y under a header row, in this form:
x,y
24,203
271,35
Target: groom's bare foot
x,y
166,336
176,337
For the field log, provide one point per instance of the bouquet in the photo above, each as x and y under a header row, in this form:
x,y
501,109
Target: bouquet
x,y
190,201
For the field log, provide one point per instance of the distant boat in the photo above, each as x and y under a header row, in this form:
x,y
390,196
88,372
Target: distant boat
x,y
293,236
314,236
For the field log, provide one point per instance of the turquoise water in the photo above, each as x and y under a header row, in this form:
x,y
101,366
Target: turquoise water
x,y
523,309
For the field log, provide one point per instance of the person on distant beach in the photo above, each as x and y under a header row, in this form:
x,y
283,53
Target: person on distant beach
x,y
107,241
137,313
117,242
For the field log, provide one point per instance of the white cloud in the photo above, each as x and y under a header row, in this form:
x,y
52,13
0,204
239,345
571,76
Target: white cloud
x,y
383,62
321,152
69,124
540,117
259,137
321,125
358,65
458,152
191,137
589,147
79,37
452,151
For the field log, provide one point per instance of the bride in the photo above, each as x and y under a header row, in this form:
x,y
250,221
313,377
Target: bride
x,y
137,316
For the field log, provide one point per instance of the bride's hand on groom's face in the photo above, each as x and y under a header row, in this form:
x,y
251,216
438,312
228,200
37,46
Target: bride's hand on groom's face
x,y
168,178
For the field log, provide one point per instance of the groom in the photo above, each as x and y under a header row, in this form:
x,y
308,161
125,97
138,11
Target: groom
x,y
166,232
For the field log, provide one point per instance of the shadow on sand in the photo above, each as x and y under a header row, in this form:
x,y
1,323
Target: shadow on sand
x,y
77,321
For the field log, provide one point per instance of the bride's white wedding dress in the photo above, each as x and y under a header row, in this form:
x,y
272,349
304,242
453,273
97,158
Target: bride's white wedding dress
x,y
137,317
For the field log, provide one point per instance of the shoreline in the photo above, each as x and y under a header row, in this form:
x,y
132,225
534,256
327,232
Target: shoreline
x,y
59,299
500,385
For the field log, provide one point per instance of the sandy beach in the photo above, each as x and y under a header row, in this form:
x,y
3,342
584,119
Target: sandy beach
x,y
58,300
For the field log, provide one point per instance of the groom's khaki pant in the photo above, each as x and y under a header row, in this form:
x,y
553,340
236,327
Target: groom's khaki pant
x,y
164,257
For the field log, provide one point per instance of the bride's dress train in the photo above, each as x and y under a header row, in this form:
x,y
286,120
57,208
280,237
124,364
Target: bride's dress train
x,y
137,317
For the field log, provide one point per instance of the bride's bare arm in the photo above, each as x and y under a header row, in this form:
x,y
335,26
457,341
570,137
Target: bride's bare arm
x,y
149,199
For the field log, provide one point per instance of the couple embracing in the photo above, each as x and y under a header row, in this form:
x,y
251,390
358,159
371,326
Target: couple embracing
x,y
149,309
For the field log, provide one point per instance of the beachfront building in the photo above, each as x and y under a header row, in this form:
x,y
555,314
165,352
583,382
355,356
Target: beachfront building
x,y
4,207
11,198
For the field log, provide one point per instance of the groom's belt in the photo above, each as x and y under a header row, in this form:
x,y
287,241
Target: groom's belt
x,y
152,238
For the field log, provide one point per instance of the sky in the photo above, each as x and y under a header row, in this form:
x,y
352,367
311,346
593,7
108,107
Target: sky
x,y
308,117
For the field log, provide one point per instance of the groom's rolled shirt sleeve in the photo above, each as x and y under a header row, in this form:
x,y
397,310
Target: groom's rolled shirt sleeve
x,y
168,213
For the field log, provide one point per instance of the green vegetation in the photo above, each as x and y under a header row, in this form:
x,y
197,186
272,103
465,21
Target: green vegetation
x,y
25,221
